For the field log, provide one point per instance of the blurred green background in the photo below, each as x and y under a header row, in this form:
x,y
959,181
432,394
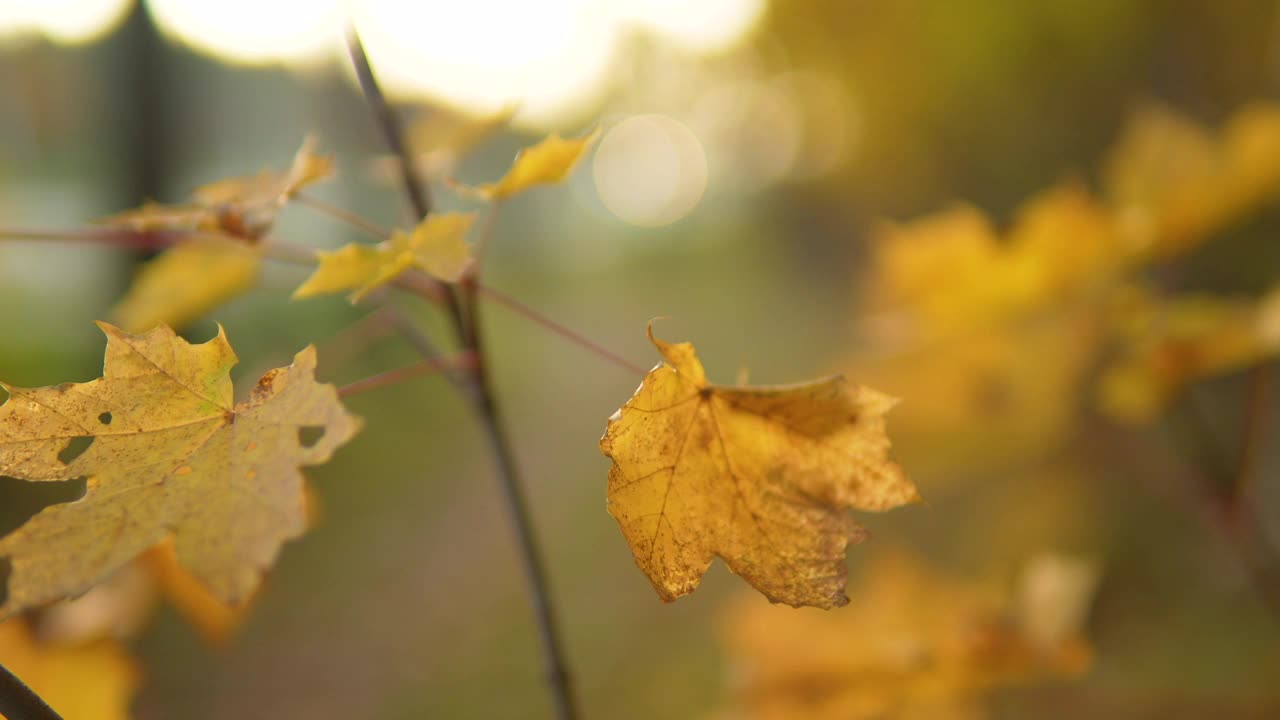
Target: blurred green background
x,y
791,126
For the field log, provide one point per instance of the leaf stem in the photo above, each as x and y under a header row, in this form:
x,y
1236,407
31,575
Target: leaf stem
x,y
399,375
19,702
354,220
466,323
542,320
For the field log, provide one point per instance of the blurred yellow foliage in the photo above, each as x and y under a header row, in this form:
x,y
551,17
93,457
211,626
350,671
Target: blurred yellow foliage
x,y
1166,343
186,281
952,271
243,207
1173,183
913,643
89,681
437,245
550,161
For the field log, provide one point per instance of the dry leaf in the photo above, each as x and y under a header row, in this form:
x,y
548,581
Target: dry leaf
x,y
167,454
93,681
186,281
437,245
550,161
761,477
243,207
914,643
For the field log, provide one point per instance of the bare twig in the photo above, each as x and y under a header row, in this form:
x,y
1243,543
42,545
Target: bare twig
x,y
359,222
19,702
394,377
542,320
467,325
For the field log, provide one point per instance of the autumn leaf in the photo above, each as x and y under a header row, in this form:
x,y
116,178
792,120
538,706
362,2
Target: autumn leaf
x,y
1174,183
244,207
550,161
166,454
89,681
760,477
188,280
437,245
952,272
914,643
1165,344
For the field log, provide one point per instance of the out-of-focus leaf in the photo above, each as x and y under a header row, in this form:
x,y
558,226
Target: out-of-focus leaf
x,y
1174,183
188,280
761,477
440,138
165,453
90,681
1166,344
437,245
244,207
951,272
550,161
913,643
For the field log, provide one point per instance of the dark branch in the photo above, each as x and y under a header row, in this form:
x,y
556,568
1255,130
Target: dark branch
x,y
466,324
19,702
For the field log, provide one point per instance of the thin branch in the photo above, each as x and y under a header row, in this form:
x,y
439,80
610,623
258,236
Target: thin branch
x,y
467,326
1224,490
542,320
354,220
1258,421
554,663
485,238
19,702
415,189
117,237
399,375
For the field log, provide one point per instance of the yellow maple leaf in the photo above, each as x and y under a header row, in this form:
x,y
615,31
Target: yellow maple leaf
x,y
188,280
1174,183
761,477
437,245
1166,344
550,161
168,454
952,272
89,681
244,207
915,643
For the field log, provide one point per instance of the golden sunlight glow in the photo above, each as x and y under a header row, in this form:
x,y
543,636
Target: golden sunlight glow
x,y
701,25
548,57
252,31
64,21
650,170
553,59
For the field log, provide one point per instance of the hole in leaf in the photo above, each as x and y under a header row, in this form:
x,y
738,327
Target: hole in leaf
x,y
105,418
309,435
20,500
74,449
6,569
